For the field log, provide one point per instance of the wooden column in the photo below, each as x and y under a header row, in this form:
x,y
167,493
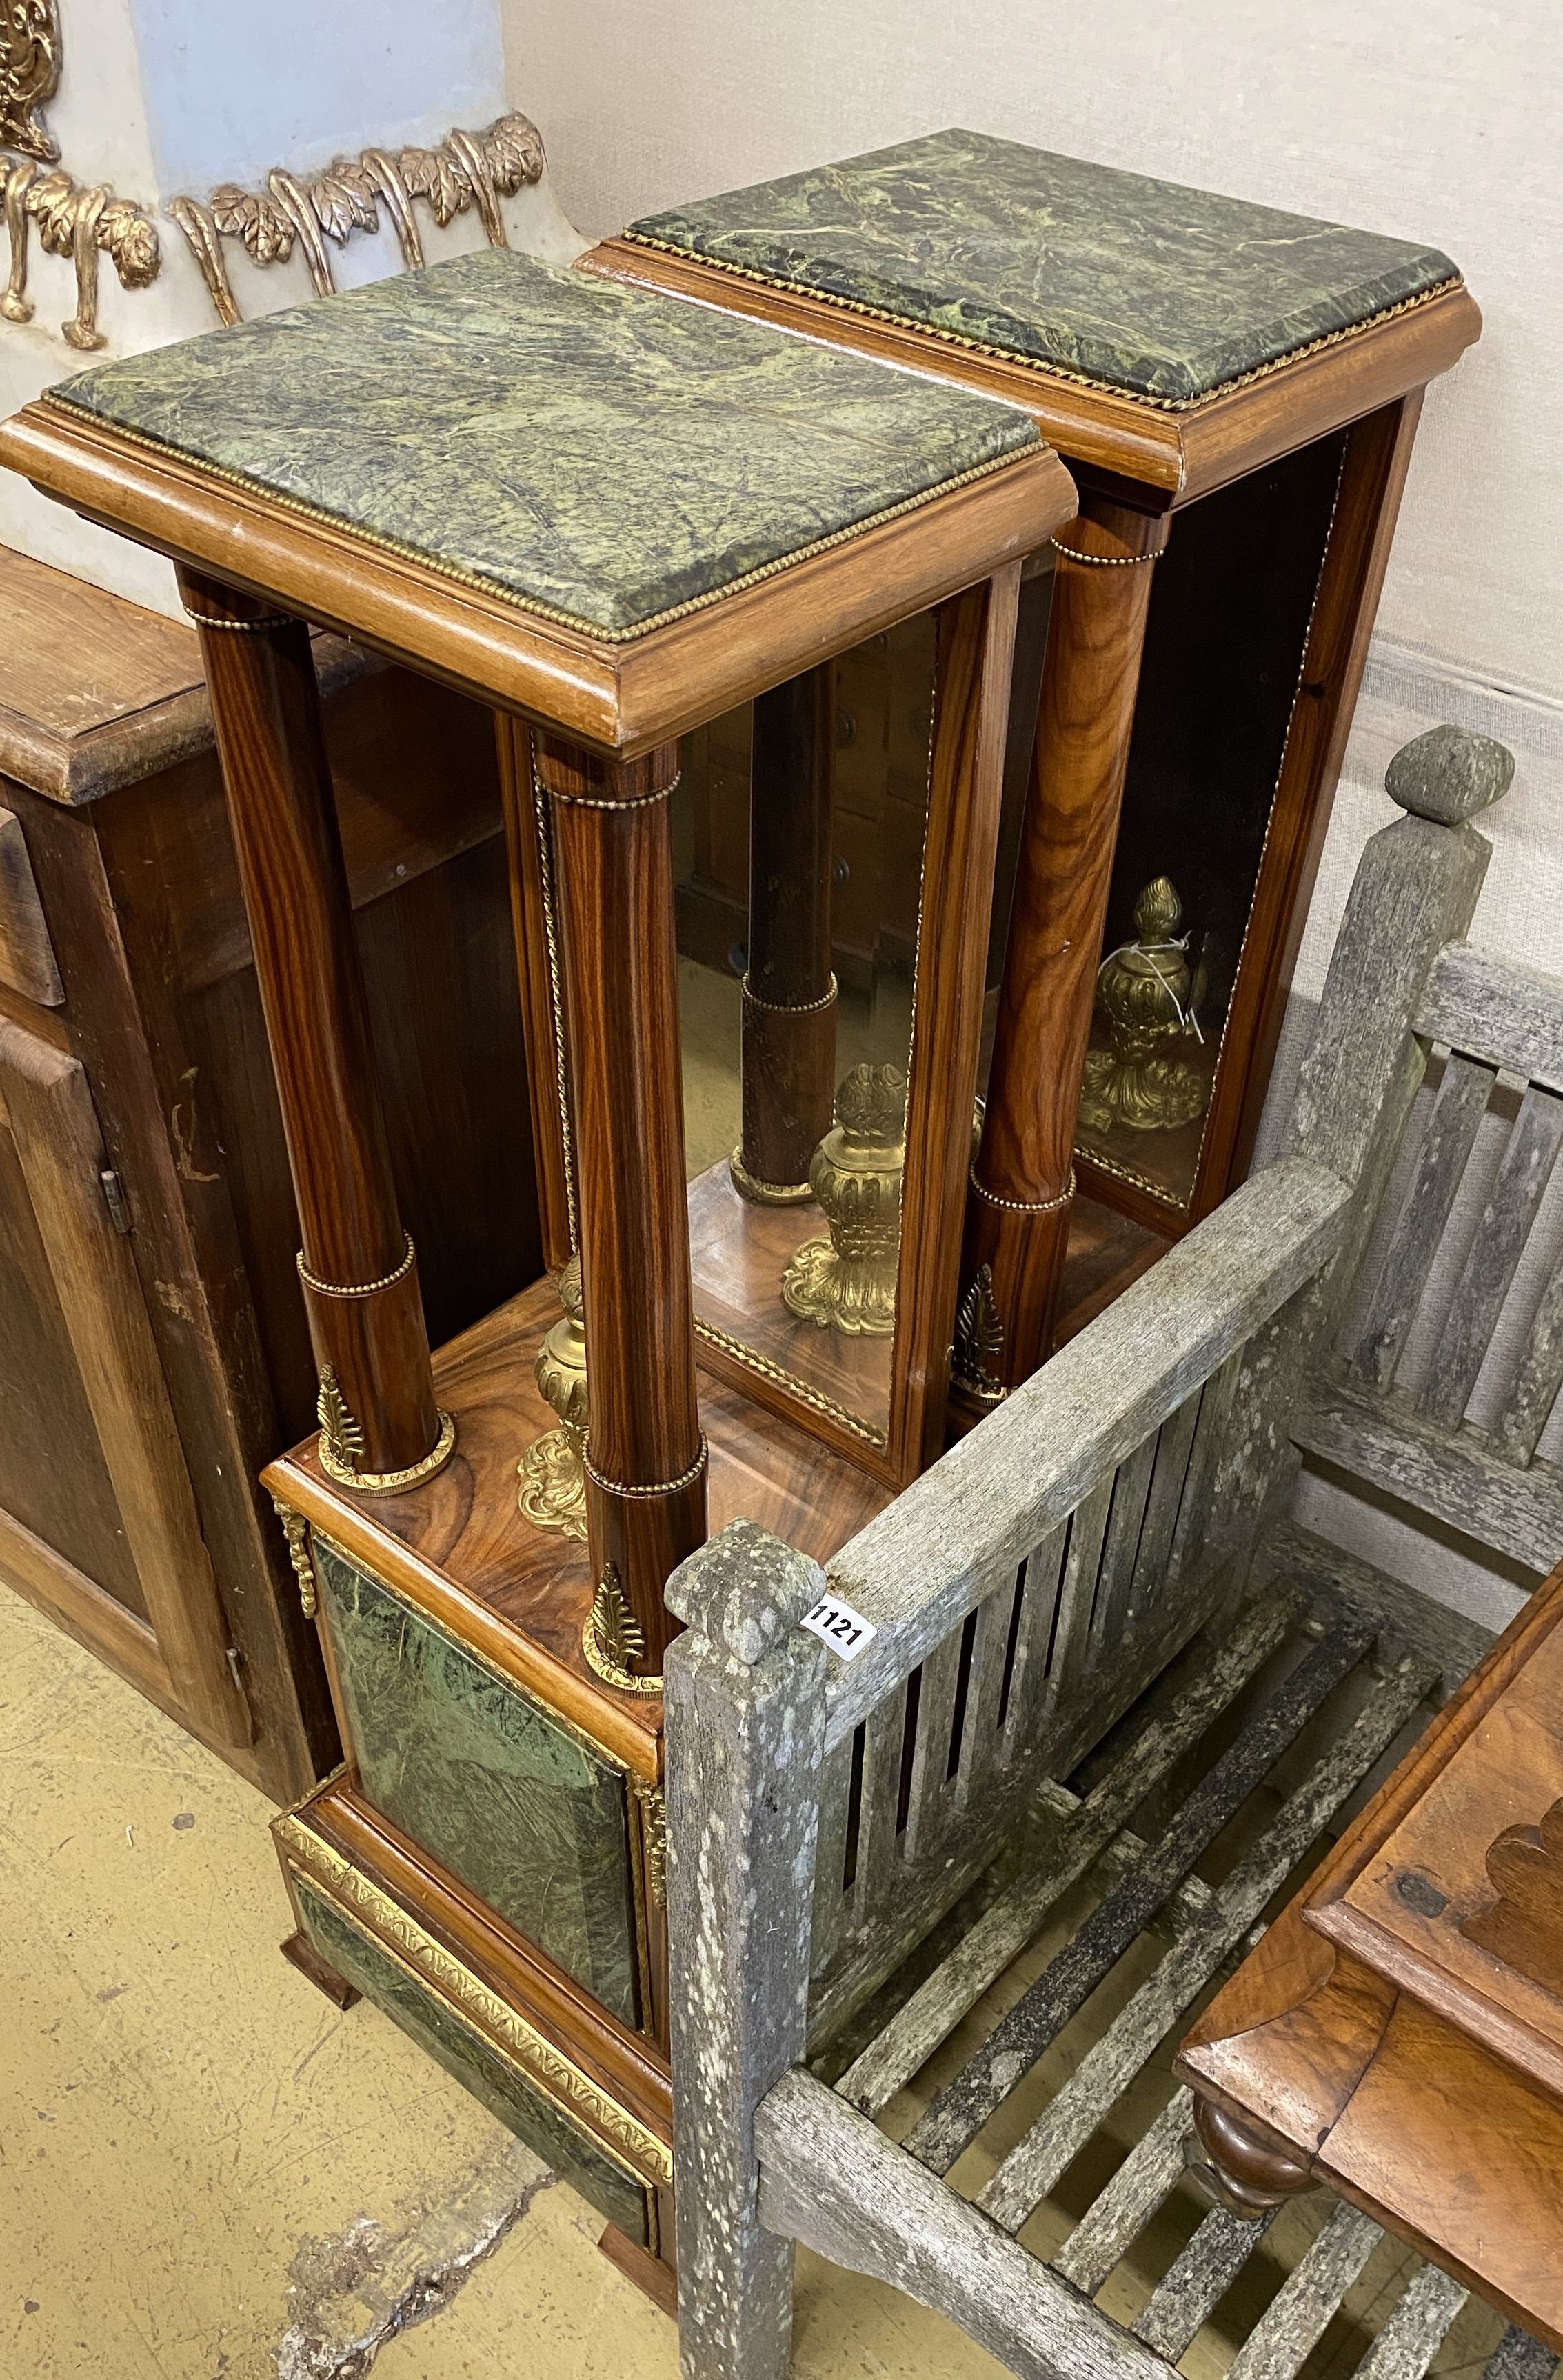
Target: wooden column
x,y
1022,1182
646,1459
360,1275
789,1030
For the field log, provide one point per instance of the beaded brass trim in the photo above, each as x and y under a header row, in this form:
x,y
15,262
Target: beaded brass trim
x,y
357,1289
1035,363
55,400
660,1487
242,627
637,801
1023,1206
789,1007
493,2021
815,1398
1105,561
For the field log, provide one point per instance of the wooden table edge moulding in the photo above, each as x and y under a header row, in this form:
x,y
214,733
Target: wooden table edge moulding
x,y
1397,2033
1136,464
394,1488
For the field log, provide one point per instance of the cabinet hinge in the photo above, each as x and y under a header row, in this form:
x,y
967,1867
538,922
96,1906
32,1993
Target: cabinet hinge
x,y
114,1199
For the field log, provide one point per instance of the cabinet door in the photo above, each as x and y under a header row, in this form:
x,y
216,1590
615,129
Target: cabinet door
x,y
98,1523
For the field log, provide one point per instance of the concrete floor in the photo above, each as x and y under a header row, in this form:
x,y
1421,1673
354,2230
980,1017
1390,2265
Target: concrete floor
x,y
208,2173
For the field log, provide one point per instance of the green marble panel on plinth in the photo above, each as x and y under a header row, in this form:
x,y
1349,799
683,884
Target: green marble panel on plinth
x,y
1143,286
601,455
563,2145
508,1797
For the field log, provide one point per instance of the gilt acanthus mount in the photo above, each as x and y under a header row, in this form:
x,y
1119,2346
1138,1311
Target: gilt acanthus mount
x,y
467,170
75,220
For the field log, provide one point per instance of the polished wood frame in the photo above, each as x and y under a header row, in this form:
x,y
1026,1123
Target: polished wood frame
x,y
1396,2063
624,697
1135,456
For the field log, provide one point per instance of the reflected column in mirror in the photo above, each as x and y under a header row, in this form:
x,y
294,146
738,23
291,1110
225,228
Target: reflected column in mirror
x,y
789,989
799,839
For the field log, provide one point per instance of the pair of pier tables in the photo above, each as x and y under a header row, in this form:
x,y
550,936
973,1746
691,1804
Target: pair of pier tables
x,y
614,512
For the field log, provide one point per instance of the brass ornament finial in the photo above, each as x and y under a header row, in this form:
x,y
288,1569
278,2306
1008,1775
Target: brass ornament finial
x,y
847,1282
553,1467
613,1639
1148,996
979,1342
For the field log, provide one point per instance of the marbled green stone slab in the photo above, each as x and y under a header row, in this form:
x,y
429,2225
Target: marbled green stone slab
x,y
1142,284
594,451
424,2017
483,1778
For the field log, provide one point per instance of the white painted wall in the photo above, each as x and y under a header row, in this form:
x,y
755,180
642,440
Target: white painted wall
x,y
163,97
1437,119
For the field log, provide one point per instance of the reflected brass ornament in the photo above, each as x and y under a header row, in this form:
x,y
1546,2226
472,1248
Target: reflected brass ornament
x,y
553,1467
979,1342
847,1282
30,76
469,169
1148,997
79,224
295,1529
613,1639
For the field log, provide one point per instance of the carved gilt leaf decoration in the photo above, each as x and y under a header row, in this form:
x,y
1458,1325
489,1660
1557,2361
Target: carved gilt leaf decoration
x,y
439,177
265,229
343,200
30,76
514,151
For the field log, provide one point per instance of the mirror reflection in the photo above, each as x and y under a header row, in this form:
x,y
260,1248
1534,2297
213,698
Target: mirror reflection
x,y
798,828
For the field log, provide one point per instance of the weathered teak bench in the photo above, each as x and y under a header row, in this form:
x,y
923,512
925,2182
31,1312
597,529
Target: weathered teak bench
x,y
923,1985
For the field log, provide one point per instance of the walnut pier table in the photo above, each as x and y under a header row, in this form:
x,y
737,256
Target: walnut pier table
x,y
611,514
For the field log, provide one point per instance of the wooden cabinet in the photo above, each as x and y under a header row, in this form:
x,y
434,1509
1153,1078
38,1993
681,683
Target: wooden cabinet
x,y
153,1351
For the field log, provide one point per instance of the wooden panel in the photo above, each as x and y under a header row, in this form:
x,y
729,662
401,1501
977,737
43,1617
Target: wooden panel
x,y
96,692
1458,1110
62,1160
1529,1404
1510,1015
1522,1176
54,1481
26,956
1449,1475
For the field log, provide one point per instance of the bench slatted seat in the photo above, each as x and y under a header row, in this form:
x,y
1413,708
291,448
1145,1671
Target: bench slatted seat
x,y
939,1910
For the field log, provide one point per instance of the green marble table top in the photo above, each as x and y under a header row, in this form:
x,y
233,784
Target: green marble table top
x,y
1142,285
600,455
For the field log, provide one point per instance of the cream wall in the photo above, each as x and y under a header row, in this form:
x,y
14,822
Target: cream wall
x,y
1437,119
1440,119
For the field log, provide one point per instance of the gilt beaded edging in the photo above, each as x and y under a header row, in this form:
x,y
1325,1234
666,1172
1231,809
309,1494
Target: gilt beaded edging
x,y
660,1488
495,2023
53,399
243,627
1032,363
1105,561
635,801
359,1289
1024,1205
